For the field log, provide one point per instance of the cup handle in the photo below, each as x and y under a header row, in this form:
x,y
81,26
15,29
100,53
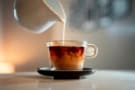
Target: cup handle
x,y
91,51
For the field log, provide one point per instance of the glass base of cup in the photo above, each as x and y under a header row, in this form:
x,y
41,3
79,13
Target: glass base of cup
x,y
68,67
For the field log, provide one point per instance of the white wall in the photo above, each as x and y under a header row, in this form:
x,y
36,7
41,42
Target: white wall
x,y
27,50
1,34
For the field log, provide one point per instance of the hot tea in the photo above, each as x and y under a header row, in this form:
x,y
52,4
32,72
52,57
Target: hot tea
x,y
67,57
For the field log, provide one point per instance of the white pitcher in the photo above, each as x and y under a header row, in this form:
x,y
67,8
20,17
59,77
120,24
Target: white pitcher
x,y
38,15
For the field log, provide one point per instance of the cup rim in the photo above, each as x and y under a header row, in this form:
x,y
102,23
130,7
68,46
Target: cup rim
x,y
82,43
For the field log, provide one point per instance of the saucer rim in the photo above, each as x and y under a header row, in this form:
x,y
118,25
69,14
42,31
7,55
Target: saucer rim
x,y
53,70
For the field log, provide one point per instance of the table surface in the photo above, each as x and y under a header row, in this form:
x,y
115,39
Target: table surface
x,y
100,80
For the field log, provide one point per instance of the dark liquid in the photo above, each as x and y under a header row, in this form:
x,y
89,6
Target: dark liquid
x,y
67,57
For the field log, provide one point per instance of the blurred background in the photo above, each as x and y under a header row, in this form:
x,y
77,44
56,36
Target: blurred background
x,y
110,24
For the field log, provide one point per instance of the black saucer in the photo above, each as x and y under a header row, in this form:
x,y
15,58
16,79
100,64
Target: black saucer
x,y
61,74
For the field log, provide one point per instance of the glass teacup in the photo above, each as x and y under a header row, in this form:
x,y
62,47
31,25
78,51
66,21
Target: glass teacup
x,y
70,54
